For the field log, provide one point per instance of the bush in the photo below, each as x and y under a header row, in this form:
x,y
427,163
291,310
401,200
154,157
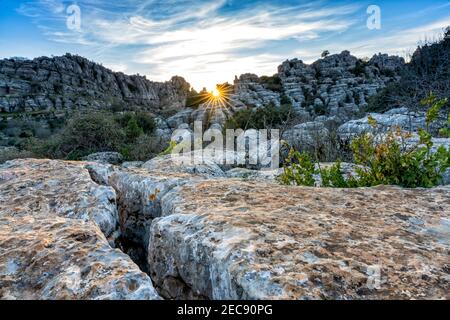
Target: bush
x,y
11,153
93,132
83,135
272,83
360,68
145,147
382,159
385,99
268,117
146,122
133,130
299,169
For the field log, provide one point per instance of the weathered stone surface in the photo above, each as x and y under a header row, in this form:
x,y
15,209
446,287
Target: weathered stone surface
x,y
65,259
56,188
105,157
55,223
203,236
248,174
307,135
185,163
229,239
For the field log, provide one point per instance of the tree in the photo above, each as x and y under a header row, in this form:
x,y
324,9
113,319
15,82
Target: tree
x,y
326,53
133,130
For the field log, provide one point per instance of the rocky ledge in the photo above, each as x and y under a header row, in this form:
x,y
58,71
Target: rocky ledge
x,y
202,236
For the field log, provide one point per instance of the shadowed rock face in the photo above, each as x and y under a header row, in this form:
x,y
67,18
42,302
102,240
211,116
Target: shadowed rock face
x,y
204,236
54,225
73,82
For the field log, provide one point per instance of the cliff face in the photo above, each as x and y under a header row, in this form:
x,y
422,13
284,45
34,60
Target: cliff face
x,y
73,82
337,85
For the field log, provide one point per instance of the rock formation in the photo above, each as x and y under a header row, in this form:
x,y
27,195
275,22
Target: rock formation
x,y
203,235
58,231
72,82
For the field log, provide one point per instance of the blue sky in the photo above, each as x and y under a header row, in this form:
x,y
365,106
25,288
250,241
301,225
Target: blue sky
x,y
209,42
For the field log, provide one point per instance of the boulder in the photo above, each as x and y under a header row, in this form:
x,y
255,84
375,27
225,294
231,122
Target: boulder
x,y
307,135
58,231
402,118
105,157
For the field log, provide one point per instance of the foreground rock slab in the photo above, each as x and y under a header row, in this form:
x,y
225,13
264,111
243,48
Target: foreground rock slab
x,y
203,236
54,225
231,239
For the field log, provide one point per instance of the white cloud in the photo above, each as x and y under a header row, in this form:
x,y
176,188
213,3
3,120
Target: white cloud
x,y
197,40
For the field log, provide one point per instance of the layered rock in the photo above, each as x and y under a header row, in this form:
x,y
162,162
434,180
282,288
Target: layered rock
x,y
72,82
336,88
402,118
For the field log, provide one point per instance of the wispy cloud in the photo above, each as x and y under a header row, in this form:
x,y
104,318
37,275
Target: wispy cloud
x,y
209,41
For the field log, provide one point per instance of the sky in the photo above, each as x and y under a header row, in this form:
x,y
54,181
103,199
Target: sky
x,y
210,41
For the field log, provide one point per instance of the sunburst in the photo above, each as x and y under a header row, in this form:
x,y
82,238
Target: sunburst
x,y
219,98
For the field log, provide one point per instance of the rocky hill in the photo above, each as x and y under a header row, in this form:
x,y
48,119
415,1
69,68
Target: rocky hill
x,y
71,82
337,85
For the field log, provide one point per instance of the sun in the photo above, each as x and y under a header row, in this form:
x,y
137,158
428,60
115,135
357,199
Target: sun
x,y
216,93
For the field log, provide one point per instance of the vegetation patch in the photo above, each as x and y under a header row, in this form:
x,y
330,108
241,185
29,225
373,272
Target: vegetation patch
x,y
381,159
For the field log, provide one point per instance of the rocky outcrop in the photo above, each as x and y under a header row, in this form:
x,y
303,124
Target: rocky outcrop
x,y
72,82
402,118
228,239
58,231
105,157
337,85
335,88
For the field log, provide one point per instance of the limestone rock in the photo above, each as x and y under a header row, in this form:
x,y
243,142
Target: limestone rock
x,y
398,117
55,258
307,135
55,225
228,239
192,163
71,81
105,157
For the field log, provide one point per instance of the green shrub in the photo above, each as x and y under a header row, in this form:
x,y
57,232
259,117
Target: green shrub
x,y
133,130
130,133
272,83
385,98
144,148
445,132
299,169
268,117
143,120
360,68
169,149
83,135
382,159
146,122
